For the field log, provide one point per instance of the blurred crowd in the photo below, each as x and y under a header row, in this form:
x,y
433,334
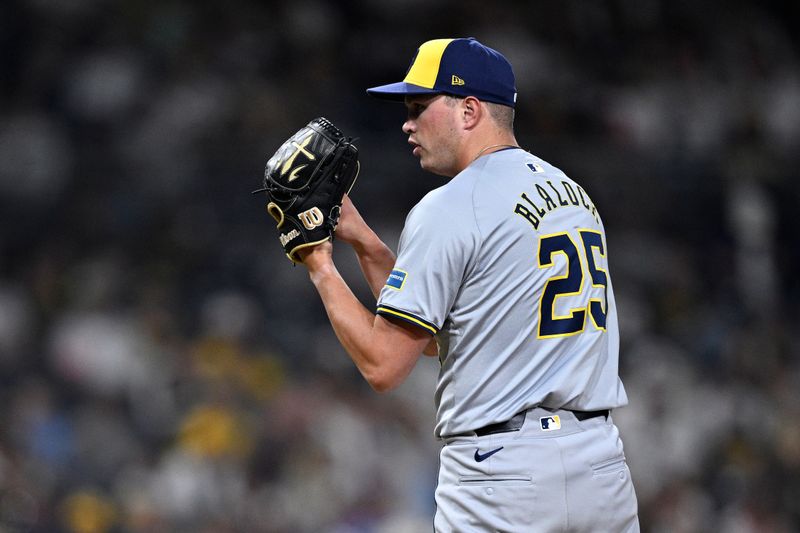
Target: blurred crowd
x,y
164,368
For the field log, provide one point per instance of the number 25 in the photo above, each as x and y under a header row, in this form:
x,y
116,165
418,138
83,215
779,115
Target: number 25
x,y
571,283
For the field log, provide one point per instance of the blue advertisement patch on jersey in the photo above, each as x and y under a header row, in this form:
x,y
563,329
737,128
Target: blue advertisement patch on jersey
x,y
396,279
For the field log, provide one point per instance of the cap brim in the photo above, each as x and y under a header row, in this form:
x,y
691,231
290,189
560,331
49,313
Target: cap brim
x,y
398,91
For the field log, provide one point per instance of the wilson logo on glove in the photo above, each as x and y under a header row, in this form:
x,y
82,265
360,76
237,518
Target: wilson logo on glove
x,y
311,218
286,237
305,199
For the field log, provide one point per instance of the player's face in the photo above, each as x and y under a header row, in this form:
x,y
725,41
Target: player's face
x,y
432,132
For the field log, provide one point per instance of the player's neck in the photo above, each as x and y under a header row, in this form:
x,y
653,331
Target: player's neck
x,y
493,148
484,145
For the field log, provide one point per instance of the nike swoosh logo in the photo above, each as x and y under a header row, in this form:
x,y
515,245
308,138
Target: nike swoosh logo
x,y
483,456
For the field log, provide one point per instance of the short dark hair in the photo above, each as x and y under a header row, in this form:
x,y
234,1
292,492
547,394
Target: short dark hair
x,y
503,115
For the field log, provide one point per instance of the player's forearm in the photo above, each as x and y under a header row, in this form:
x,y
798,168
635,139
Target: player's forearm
x,y
376,261
354,327
374,257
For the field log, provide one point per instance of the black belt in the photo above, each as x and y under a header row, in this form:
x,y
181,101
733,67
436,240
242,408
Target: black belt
x,y
515,423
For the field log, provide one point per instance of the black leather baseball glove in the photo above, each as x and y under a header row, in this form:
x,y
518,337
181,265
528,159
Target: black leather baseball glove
x,y
305,182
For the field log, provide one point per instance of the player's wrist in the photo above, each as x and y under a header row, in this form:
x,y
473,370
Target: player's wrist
x,y
318,258
320,272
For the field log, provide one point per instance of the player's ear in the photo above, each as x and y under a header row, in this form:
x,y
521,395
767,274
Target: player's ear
x,y
471,111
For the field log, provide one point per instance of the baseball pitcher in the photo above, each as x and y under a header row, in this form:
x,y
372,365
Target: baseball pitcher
x,y
503,274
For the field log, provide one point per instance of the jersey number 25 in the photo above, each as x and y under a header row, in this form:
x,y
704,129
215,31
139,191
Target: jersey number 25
x,y
571,283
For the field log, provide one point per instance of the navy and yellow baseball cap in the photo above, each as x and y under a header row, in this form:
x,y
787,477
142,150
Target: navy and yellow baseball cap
x,y
460,67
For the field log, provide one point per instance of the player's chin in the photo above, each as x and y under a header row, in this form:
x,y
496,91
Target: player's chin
x,y
425,162
431,166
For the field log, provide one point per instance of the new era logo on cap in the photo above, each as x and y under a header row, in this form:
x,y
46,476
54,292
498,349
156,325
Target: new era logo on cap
x,y
460,67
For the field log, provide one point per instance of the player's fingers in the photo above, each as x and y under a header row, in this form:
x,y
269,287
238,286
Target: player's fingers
x,y
349,217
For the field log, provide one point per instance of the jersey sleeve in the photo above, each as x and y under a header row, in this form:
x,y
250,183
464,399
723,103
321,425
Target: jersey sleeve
x,y
436,249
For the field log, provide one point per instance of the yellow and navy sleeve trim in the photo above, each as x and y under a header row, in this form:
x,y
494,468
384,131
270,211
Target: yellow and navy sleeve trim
x,y
408,317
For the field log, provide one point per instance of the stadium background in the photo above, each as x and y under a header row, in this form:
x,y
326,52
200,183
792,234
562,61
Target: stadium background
x,y
163,366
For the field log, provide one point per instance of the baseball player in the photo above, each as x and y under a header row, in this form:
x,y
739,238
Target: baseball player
x,y
503,273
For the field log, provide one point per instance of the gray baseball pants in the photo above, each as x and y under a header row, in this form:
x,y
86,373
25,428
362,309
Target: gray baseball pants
x,y
555,474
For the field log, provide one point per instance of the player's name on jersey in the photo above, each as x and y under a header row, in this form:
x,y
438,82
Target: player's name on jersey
x,y
550,196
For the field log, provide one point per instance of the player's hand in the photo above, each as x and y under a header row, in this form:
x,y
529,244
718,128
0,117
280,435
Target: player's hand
x,y
351,228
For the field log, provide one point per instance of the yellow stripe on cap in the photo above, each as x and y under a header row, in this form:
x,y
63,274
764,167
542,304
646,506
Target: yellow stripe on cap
x,y
425,69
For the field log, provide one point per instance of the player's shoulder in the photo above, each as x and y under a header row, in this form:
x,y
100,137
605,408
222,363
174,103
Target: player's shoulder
x,y
512,165
447,208
538,168
448,197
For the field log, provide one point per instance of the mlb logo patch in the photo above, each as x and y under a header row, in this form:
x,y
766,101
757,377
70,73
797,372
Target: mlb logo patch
x,y
550,423
396,279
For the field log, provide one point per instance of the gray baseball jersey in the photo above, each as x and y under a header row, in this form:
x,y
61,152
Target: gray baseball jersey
x,y
506,265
